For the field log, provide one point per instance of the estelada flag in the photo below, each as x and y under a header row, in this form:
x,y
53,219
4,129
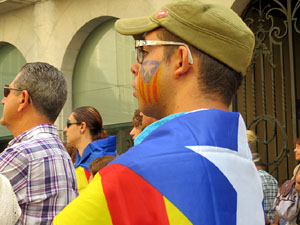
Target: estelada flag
x,y
82,177
194,169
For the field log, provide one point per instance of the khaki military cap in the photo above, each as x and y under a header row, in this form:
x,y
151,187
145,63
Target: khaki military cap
x,y
214,29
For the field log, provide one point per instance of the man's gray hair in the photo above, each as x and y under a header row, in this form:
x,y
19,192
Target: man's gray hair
x,y
46,86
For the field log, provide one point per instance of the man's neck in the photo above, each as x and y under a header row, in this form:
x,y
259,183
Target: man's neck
x,y
258,167
26,123
189,97
192,105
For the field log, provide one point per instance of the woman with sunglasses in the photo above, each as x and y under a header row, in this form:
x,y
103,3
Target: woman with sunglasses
x,y
85,132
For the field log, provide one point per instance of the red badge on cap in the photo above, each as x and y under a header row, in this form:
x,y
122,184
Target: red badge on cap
x,y
162,14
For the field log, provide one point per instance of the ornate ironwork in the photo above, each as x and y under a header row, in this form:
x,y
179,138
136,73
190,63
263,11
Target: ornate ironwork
x,y
284,151
268,96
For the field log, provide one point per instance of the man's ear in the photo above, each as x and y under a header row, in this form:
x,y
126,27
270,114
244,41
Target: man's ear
x,y
182,62
24,100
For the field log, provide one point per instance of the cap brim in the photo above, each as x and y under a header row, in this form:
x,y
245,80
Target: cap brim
x,y
135,26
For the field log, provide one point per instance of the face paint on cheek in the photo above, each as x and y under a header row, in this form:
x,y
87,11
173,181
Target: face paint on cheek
x,y
140,88
148,81
148,69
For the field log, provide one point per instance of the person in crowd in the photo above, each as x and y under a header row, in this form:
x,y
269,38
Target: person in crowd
x,y
99,163
270,189
139,123
297,156
72,152
296,173
146,120
9,209
84,131
36,163
136,124
281,221
252,139
138,132
195,166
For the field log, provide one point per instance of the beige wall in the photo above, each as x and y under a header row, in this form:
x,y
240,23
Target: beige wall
x,y
53,30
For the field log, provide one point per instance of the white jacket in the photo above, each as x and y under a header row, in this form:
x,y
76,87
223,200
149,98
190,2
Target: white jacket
x,y
9,209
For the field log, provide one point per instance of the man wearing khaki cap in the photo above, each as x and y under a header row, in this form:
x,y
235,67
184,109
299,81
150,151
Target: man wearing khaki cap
x,y
194,166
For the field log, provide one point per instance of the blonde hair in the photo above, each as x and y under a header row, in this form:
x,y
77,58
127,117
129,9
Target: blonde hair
x,y
252,138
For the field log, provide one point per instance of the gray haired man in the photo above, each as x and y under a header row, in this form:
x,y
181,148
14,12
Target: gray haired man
x,y
35,161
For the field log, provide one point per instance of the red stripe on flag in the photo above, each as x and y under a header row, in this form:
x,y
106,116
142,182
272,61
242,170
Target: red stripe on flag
x,y
87,174
131,199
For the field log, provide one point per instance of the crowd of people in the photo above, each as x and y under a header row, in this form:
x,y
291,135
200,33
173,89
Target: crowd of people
x,y
269,183
190,163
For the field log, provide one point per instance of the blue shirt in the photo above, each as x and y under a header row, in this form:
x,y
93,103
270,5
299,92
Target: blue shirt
x,y
95,149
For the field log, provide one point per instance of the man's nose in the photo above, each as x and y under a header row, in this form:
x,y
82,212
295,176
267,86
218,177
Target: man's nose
x,y
132,132
3,100
135,68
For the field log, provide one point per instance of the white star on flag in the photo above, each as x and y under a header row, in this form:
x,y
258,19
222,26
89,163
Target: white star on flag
x,y
244,178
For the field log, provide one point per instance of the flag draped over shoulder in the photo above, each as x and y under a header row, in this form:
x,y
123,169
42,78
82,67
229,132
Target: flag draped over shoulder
x,y
95,149
82,176
194,169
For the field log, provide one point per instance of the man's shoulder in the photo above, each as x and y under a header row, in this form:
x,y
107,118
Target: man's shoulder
x,y
265,176
36,148
172,137
209,127
12,162
11,153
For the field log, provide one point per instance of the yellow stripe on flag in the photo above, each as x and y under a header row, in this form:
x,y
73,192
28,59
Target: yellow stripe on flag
x,y
90,207
82,181
175,215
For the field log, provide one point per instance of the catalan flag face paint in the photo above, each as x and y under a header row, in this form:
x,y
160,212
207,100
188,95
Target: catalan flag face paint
x,y
148,81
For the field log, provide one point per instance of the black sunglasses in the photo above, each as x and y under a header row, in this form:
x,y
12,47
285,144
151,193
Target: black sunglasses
x,y
7,89
69,123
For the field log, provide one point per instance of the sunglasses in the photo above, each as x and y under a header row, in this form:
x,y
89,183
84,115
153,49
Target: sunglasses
x,y
7,90
69,123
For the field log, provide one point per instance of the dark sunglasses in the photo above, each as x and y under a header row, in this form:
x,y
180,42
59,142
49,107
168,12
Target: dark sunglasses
x,y
7,90
69,123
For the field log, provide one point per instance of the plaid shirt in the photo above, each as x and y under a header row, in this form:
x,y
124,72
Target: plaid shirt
x,y
41,173
270,188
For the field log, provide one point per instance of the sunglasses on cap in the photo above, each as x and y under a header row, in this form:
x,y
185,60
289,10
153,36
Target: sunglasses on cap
x,y
69,123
